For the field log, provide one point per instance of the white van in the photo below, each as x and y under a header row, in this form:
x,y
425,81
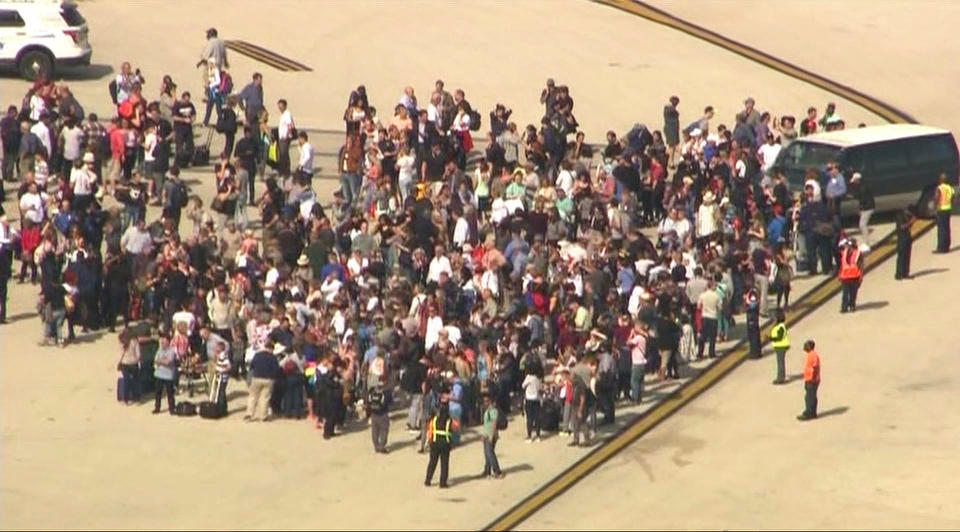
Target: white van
x,y
38,36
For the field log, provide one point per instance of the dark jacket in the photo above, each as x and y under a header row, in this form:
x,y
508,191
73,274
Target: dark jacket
x,y
264,366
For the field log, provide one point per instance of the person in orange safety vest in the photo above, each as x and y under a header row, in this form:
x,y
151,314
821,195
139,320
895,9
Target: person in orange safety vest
x,y
851,273
811,381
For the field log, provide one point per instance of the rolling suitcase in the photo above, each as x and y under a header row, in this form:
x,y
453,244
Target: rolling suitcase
x,y
185,408
550,415
201,154
210,410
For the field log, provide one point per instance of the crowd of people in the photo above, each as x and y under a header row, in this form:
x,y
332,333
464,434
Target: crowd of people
x,y
540,272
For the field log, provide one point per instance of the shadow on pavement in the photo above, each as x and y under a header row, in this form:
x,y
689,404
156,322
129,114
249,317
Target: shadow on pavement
x,y
21,316
516,468
838,411
872,305
929,271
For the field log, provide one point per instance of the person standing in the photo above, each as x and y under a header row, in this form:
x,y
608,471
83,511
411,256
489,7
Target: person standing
x,y
129,368
164,371
184,114
811,381
214,51
439,431
305,164
251,101
671,129
867,204
752,303
491,433
709,304
944,204
905,220
781,343
264,369
246,153
227,125
851,273
531,393
10,137
637,342
378,408
286,131
6,265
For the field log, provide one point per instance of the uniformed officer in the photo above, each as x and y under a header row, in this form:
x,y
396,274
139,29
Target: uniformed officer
x,y
752,301
811,381
781,343
944,205
440,428
905,219
851,273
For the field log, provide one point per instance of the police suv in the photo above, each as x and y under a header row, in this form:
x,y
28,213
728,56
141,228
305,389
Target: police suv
x,y
38,36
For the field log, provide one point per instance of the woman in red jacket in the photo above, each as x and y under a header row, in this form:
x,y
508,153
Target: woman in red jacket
x,y
29,241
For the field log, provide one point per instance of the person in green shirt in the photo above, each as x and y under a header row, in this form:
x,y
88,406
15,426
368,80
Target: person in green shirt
x,y
516,189
564,206
490,432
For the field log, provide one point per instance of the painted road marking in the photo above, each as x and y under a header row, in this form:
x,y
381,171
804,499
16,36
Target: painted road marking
x,y
266,56
809,302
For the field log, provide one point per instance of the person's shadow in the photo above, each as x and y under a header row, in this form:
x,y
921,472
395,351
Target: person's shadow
x,y
463,479
838,411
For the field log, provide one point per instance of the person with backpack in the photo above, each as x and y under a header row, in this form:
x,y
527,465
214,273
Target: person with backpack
x,y
493,422
175,196
227,125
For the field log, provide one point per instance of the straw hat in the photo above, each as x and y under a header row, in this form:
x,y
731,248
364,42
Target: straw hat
x,y
687,180
303,260
708,197
89,158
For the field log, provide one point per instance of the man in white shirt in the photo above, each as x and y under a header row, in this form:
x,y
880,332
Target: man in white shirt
x,y
305,165
565,180
461,230
33,204
285,130
42,132
440,263
82,180
768,153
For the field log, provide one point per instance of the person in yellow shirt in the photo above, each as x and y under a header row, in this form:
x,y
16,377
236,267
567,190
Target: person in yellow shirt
x,y
944,205
811,381
781,343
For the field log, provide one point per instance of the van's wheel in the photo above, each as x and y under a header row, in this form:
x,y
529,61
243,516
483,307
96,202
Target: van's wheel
x,y
35,63
926,207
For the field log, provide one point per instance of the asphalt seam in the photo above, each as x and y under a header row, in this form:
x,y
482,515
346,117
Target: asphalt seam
x,y
259,53
804,306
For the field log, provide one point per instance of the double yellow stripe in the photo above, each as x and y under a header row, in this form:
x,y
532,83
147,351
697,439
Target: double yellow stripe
x,y
712,374
266,56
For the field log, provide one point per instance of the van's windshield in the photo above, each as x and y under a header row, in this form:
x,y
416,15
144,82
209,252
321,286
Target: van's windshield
x,y
800,154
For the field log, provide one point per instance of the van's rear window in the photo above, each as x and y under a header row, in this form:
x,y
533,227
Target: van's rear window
x,y
72,16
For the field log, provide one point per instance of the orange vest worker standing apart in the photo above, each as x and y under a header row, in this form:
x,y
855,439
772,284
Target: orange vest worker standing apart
x,y
851,272
811,381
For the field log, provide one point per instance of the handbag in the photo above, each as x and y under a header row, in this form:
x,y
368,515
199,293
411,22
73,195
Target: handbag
x,y
68,304
273,152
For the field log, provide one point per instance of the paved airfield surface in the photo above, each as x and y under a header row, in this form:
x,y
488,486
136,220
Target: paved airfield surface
x,y
72,457
882,456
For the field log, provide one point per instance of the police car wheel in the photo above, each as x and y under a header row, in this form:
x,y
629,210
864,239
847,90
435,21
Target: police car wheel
x,y
33,63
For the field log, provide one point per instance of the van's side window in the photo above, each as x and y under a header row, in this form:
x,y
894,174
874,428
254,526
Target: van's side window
x,y
931,150
888,157
10,19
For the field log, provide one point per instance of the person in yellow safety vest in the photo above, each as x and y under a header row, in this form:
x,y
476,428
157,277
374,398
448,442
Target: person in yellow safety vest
x,y
851,272
944,205
781,343
440,428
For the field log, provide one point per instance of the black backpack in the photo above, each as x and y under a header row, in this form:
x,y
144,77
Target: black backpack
x,y
475,120
185,408
502,420
112,87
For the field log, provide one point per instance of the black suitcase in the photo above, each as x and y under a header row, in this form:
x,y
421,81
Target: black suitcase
x,y
210,410
185,408
201,154
550,415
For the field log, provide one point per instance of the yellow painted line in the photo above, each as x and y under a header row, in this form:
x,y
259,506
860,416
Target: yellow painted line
x,y
805,305
242,48
641,9
266,56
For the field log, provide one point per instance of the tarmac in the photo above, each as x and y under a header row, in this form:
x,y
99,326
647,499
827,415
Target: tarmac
x,y
73,458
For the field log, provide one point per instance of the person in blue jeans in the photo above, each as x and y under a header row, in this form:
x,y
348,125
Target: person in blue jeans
x,y
129,367
490,432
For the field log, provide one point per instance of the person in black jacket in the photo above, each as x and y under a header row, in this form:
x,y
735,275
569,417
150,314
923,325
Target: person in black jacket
x,y
264,369
227,125
116,293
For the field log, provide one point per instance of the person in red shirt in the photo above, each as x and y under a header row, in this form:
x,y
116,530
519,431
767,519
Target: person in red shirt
x,y
811,381
29,241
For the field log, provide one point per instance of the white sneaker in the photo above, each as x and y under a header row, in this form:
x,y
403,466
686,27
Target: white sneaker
x,y
537,439
528,440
